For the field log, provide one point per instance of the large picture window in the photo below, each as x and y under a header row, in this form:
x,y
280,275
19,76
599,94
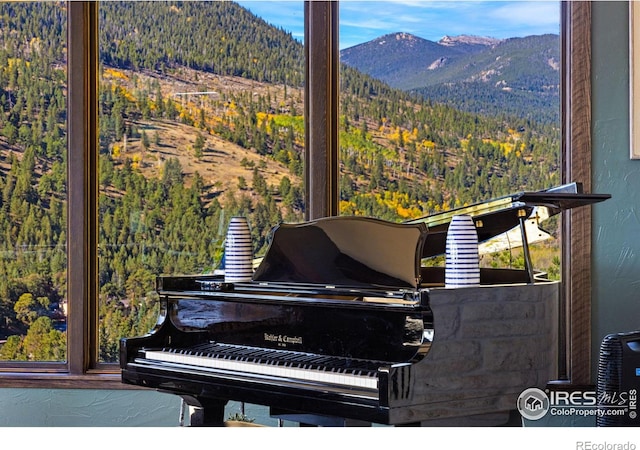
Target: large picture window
x,y
450,109
201,126
135,205
33,182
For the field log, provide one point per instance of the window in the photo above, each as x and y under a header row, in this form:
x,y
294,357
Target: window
x,y
83,362
428,146
183,148
34,183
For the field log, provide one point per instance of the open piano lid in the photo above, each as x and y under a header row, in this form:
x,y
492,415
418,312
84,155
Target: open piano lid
x,y
344,251
500,215
353,251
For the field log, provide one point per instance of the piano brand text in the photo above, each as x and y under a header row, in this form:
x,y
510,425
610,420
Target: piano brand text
x,y
283,340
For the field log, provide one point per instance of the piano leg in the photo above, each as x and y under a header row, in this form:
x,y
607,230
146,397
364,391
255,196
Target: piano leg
x,y
207,413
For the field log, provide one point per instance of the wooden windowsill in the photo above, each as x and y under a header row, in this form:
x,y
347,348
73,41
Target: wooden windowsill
x,y
64,381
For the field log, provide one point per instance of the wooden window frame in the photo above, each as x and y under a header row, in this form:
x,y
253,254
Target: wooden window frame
x,y
321,185
576,166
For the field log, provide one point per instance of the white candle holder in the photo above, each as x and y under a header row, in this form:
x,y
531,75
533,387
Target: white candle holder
x,y
238,252
462,266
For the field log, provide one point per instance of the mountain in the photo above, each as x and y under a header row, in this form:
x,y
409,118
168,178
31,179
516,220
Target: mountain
x,y
517,76
392,57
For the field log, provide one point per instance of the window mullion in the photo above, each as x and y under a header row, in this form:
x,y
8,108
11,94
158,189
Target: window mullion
x,y
321,108
82,184
576,238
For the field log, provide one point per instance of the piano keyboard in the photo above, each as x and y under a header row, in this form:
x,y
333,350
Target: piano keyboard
x,y
275,363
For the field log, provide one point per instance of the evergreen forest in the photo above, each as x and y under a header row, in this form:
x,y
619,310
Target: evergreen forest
x,y
201,119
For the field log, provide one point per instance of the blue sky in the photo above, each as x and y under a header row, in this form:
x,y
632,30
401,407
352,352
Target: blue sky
x,y
362,21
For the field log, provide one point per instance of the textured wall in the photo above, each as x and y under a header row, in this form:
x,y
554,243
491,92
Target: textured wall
x,y
616,226
87,407
105,408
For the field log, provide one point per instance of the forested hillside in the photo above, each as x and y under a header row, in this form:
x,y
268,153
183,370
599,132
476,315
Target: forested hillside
x,y
201,119
217,37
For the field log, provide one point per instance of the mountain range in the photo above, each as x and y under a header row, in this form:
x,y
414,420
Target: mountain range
x,y
516,76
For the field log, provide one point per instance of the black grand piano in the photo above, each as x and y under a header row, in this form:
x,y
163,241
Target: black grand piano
x,y
342,323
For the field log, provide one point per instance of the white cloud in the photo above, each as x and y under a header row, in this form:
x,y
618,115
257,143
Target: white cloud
x,y
362,21
529,14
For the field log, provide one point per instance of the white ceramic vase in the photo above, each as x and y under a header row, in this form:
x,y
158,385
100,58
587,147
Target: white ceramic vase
x,y
462,266
238,252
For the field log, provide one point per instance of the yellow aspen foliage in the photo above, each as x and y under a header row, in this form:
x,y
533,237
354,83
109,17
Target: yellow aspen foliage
x,y
409,213
261,117
231,109
116,150
135,163
12,62
428,144
395,135
347,208
506,148
128,95
113,73
115,88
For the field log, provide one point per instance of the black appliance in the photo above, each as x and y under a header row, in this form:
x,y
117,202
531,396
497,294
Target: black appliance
x,y
619,380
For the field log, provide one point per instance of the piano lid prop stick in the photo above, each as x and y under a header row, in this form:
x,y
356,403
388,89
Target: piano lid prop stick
x,y
525,245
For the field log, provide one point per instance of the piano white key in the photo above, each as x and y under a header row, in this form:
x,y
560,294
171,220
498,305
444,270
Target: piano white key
x,y
341,377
